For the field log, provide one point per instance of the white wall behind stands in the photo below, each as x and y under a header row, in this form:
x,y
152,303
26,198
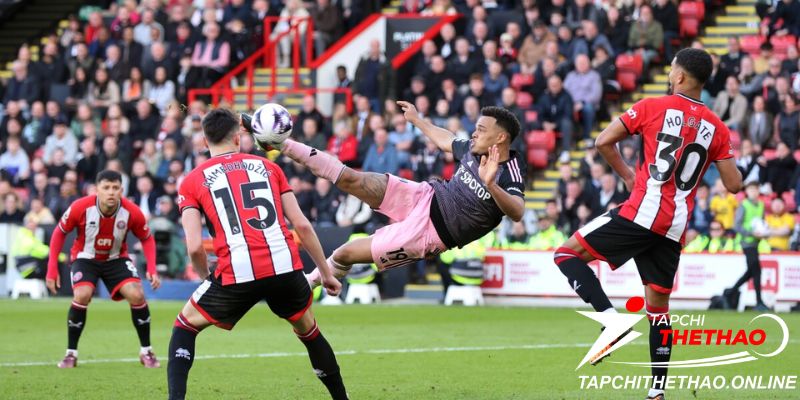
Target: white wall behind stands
x,y
532,278
349,56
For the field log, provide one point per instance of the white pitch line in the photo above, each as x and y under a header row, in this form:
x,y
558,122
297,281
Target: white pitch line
x,y
338,353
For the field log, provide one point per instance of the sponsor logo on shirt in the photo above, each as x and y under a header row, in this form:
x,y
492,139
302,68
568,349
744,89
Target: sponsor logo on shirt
x,y
473,184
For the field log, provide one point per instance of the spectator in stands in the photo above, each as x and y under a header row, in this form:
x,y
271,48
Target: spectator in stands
x,y
508,100
142,31
780,224
327,25
716,81
374,77
123,21
39,213
731,61
309,111
382,156
574,198
98,46
646,36
156,55
117,70
78,88
325,201
235,10
311,136
425,57
135,87
617,30
68,33
88,162
36,131
789,64
472,111
163,91
103,92
785,19
555,109
343,144
145,196
61,139
507,53
438,73
144,125
477,90
701,215
132,51
586,90
14,161
730,105
543,73
666,13
12,210
84,116
608,195
50,69
291,14
749,83
761,61
723,205
478,35
568,46
583,10
449,92
212,55
81,59
777,94
462,65
787,123
22,87
594,39
533,47
778,172
747,162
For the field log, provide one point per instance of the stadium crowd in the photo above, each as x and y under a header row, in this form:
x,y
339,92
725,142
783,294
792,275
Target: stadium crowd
x,y
107,93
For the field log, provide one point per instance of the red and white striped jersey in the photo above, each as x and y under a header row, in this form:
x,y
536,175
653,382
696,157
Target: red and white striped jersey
x,y
240,195
680,139
102,237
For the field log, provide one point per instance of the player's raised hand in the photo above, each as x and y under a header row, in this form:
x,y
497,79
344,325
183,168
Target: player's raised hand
x,y
332,285
489,165
53,284
155,281
409,111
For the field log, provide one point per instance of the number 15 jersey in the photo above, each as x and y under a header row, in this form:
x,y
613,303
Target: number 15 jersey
x,y
680,139
240,196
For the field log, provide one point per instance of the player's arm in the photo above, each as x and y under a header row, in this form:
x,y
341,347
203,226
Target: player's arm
x,y
193,226
442,138
510,205
606,144
730,175
53,278
310,241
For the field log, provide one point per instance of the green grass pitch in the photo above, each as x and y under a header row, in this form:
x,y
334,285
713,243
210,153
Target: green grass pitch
x,y
385,352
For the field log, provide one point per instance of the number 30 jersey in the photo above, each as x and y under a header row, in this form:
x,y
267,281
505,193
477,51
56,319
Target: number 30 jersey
x,y
680,139
240,196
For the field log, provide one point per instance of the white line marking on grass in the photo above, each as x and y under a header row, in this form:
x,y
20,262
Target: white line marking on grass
x,y
338,353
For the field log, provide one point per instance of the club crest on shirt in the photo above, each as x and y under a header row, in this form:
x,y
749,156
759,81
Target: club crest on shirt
x,y
77,276
121,224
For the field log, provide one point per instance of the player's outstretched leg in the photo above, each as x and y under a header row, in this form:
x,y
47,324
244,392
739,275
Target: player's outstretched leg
x,y
140,316
323,360
181,349
76,321
369,187
657,306
358,251
572,259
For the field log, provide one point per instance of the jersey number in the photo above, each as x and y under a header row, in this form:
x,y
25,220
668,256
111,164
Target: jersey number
x,y
687,171
248,202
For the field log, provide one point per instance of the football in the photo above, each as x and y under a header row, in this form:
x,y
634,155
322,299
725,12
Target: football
x,y
270,125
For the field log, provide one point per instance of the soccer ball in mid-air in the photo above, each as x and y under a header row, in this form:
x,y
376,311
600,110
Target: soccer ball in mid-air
x,y
270,125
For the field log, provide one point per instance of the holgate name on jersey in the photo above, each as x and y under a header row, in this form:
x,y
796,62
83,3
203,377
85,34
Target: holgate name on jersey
x,y
236,165
473,184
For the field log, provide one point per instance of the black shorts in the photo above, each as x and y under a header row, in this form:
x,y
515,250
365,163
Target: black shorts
x,y
287,295
616,240
115,274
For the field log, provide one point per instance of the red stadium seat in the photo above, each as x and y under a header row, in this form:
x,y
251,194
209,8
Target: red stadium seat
x,y
692,9
406,173
629,70
689,27
751,44
627,80
541,140
781,44
524,100
538,158
531,116
519,80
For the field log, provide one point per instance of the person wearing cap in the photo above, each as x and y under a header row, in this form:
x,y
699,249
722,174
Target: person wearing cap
x,y
548,236
61,139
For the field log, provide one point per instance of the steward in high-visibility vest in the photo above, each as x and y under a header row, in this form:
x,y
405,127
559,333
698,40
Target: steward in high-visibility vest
x,y
548,237
466,263
29,252
361,273
751,227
